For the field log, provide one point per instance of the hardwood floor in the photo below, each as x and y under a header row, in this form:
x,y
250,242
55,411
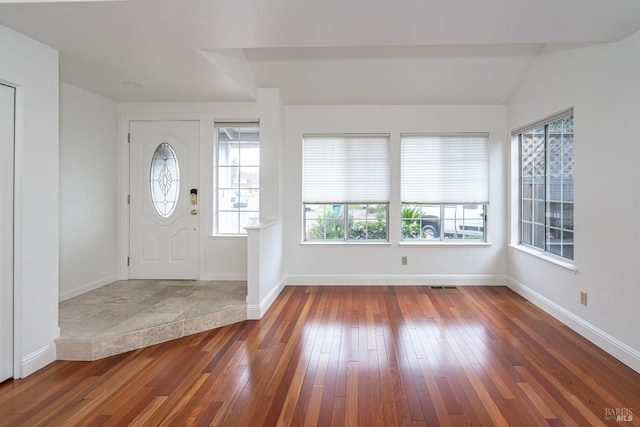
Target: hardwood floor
x,y
368,356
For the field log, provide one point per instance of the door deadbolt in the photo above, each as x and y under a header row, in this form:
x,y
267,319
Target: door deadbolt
x,y
194,211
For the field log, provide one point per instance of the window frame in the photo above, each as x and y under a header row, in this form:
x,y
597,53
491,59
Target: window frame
x,y
546,200
417,189
345,208
241,232
346,197
440,223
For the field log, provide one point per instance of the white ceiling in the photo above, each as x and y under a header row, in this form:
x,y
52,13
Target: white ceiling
x,y
315,51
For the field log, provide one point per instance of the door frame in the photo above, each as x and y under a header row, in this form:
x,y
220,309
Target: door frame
x,y
205,186
18,138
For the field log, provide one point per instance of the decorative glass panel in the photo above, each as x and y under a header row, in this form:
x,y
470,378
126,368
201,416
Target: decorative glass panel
x,y
164,180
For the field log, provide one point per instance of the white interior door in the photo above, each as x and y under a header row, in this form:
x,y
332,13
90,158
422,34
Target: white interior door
x,y
7,141
163,212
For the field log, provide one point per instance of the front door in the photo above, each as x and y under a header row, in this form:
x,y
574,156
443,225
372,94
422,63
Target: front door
x,y
163,202
7,124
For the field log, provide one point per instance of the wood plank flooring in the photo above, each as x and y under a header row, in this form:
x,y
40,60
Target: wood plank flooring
x,y
348,356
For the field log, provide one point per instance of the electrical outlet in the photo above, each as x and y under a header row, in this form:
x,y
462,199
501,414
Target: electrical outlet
x,y
404,260
583,298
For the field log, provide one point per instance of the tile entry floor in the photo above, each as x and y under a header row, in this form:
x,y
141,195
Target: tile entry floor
x,y
131,314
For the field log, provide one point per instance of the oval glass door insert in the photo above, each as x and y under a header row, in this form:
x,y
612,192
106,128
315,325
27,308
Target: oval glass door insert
x,y
164,180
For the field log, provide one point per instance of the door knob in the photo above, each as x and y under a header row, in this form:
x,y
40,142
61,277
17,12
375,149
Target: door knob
x,y
194,211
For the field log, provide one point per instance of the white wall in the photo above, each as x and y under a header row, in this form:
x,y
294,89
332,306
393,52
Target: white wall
x,y
265,253
380,263
33,67
88,191
602,84
222,257
265,278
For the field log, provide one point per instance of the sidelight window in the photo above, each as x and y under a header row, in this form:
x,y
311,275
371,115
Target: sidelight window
x,y
238,177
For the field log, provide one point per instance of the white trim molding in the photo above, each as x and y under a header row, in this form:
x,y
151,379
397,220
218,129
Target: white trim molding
x,y
226,277
87,287
37,360
256,311
616,348
397,280
545,256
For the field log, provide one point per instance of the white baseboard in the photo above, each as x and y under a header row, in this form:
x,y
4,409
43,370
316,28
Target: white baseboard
x,y
256,311
621,351
37,360
398,280
88,287
226,277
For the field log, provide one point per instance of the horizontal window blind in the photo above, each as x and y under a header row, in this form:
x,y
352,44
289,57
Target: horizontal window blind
x,y
345,168
445,168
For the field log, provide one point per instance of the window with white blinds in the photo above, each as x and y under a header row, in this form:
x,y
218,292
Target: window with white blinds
x,y
441,169
345,168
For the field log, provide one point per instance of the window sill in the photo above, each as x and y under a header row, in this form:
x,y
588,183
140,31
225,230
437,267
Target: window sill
x,y
345,243
545,257
424,243
228,236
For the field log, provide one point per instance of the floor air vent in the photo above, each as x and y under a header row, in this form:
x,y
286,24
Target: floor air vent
x,y
443,287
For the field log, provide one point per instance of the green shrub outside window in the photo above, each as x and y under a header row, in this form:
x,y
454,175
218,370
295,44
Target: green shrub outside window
x,y
350,222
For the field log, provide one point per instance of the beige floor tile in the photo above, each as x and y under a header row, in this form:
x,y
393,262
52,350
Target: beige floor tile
x,y
130,314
